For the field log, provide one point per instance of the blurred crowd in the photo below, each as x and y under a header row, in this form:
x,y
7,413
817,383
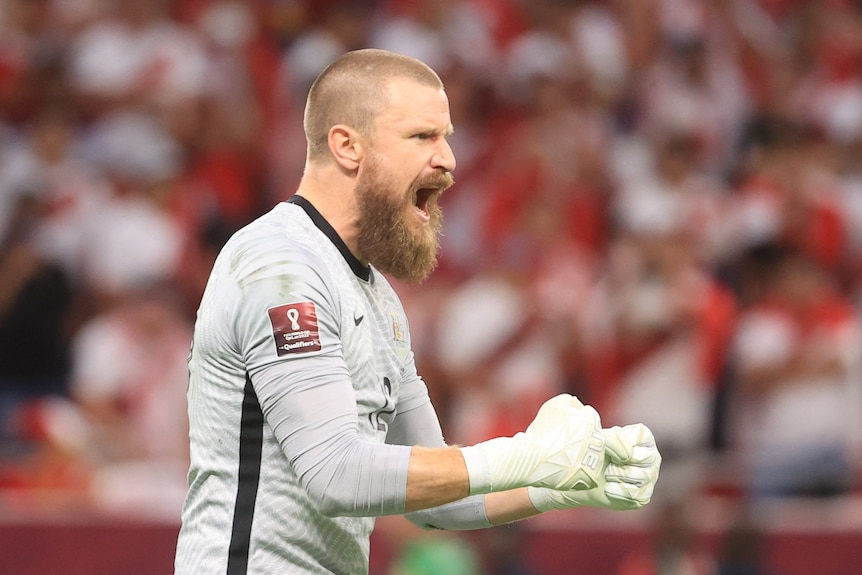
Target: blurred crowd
x,y
658,208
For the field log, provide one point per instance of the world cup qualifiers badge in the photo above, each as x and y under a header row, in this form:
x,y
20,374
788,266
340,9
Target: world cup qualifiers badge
x,y
294,328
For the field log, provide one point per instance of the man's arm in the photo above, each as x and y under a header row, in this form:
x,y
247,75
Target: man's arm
x,y
313,416
508,506
439,476
630,471
563,448
419,425
435,476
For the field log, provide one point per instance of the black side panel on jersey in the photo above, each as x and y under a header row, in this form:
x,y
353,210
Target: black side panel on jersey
x,y
250,452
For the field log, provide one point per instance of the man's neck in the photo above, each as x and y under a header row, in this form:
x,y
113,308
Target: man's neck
x,y
336,204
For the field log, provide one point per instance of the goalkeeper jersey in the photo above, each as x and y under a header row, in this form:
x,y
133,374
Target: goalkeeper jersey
x,y
289,312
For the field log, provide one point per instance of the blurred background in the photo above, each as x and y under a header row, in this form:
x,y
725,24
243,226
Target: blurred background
x,y
658,208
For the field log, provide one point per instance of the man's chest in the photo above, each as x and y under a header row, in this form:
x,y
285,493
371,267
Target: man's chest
x,y
376,348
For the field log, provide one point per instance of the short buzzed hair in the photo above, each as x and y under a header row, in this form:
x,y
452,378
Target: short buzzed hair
x,y
353,90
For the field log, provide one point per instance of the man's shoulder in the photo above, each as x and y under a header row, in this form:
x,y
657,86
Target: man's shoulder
x,y
283,243
258,254
284,222
281,231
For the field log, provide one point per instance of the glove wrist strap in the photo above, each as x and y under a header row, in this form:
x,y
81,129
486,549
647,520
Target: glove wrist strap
x,y
478,470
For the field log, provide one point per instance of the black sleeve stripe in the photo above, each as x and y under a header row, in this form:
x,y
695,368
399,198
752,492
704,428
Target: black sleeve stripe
x,y
250,453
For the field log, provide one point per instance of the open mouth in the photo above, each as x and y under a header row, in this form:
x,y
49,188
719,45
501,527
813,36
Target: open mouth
x,y
423,195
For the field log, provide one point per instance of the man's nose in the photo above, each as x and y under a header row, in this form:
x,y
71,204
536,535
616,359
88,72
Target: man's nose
x,y
444,157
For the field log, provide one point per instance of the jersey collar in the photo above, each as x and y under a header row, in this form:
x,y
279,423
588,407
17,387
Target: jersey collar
x,y
361,271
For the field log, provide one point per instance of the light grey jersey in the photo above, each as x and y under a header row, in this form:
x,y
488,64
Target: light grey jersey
x,y
301,359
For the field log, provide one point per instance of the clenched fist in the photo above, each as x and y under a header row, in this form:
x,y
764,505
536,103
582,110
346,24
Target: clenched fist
x,y
562,449
628,476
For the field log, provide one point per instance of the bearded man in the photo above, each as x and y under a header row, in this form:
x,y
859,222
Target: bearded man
x,y
307,416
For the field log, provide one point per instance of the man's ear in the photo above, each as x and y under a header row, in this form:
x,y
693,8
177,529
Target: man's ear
x,y
345,146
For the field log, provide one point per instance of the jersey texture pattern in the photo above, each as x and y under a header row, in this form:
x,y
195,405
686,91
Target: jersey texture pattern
x,y
286,296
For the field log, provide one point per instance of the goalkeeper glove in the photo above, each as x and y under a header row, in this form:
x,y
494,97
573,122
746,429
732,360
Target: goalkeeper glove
x,y
629,475
563,448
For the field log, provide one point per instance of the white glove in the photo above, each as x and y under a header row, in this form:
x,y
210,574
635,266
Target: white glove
x,y
563,448
629,474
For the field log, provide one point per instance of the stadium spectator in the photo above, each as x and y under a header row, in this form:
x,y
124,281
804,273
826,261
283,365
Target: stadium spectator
x,y
137,241
796,353
132,54
675,548
657,333
743,549
35,307
128,380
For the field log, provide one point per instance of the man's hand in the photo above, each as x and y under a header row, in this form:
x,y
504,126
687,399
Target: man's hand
x,y
629,474
563,448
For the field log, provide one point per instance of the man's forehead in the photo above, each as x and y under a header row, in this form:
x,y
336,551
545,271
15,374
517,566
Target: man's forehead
x,y
412,101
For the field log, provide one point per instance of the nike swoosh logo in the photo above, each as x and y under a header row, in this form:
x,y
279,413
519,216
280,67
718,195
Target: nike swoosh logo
x,y
358,320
